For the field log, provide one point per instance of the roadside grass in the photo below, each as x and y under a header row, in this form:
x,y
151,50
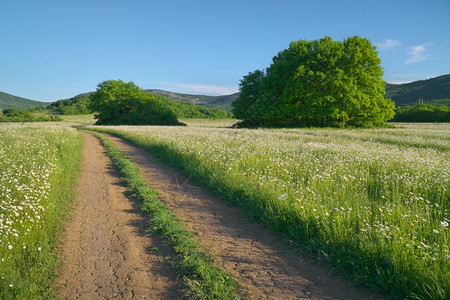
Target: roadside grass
x,y
39,165
202,279
373,204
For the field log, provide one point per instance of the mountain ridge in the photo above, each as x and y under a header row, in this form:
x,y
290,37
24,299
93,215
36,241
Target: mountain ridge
x,y
223,101
12,101
434,90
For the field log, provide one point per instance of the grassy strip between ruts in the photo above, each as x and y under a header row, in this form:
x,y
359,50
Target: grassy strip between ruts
x,y
203,280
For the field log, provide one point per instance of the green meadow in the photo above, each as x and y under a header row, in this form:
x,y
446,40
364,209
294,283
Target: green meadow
x,y
372,203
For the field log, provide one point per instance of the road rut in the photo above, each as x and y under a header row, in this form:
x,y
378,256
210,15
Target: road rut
x,y
105,251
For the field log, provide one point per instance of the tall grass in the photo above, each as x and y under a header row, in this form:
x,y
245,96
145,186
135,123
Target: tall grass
x,y
38,166
374,204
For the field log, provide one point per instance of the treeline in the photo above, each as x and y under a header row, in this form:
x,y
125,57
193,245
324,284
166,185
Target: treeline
x,y
422,113
25,115
185,110
79,105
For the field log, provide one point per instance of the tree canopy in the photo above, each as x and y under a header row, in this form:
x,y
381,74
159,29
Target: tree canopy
x,y
78,105
317,83
118,103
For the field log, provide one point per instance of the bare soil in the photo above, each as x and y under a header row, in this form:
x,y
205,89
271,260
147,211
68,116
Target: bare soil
x,y
265,266
106,253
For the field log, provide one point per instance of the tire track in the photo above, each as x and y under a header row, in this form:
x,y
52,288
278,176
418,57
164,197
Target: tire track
x,y
105,251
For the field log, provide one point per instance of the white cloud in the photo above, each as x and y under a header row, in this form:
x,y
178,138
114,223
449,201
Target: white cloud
x,y
210,89
407,78
400,81
388,44
418,53
197,88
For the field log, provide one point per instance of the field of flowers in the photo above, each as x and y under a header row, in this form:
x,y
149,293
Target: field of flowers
x,y
372,203
38,166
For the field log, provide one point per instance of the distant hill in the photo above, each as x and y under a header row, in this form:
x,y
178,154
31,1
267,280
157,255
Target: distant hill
x,y
187,110
11,101
433,91
223,102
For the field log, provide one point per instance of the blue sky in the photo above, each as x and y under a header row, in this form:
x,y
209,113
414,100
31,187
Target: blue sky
x,y
56,49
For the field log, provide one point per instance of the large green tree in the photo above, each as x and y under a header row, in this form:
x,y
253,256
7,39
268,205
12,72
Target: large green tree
x,y
317,83
117,102
245,107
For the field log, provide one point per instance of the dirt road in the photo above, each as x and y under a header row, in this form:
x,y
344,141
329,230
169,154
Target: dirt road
x,y
259,261
106,253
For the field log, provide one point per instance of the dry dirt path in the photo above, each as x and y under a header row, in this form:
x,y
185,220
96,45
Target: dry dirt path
x,y
259,261
105,253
